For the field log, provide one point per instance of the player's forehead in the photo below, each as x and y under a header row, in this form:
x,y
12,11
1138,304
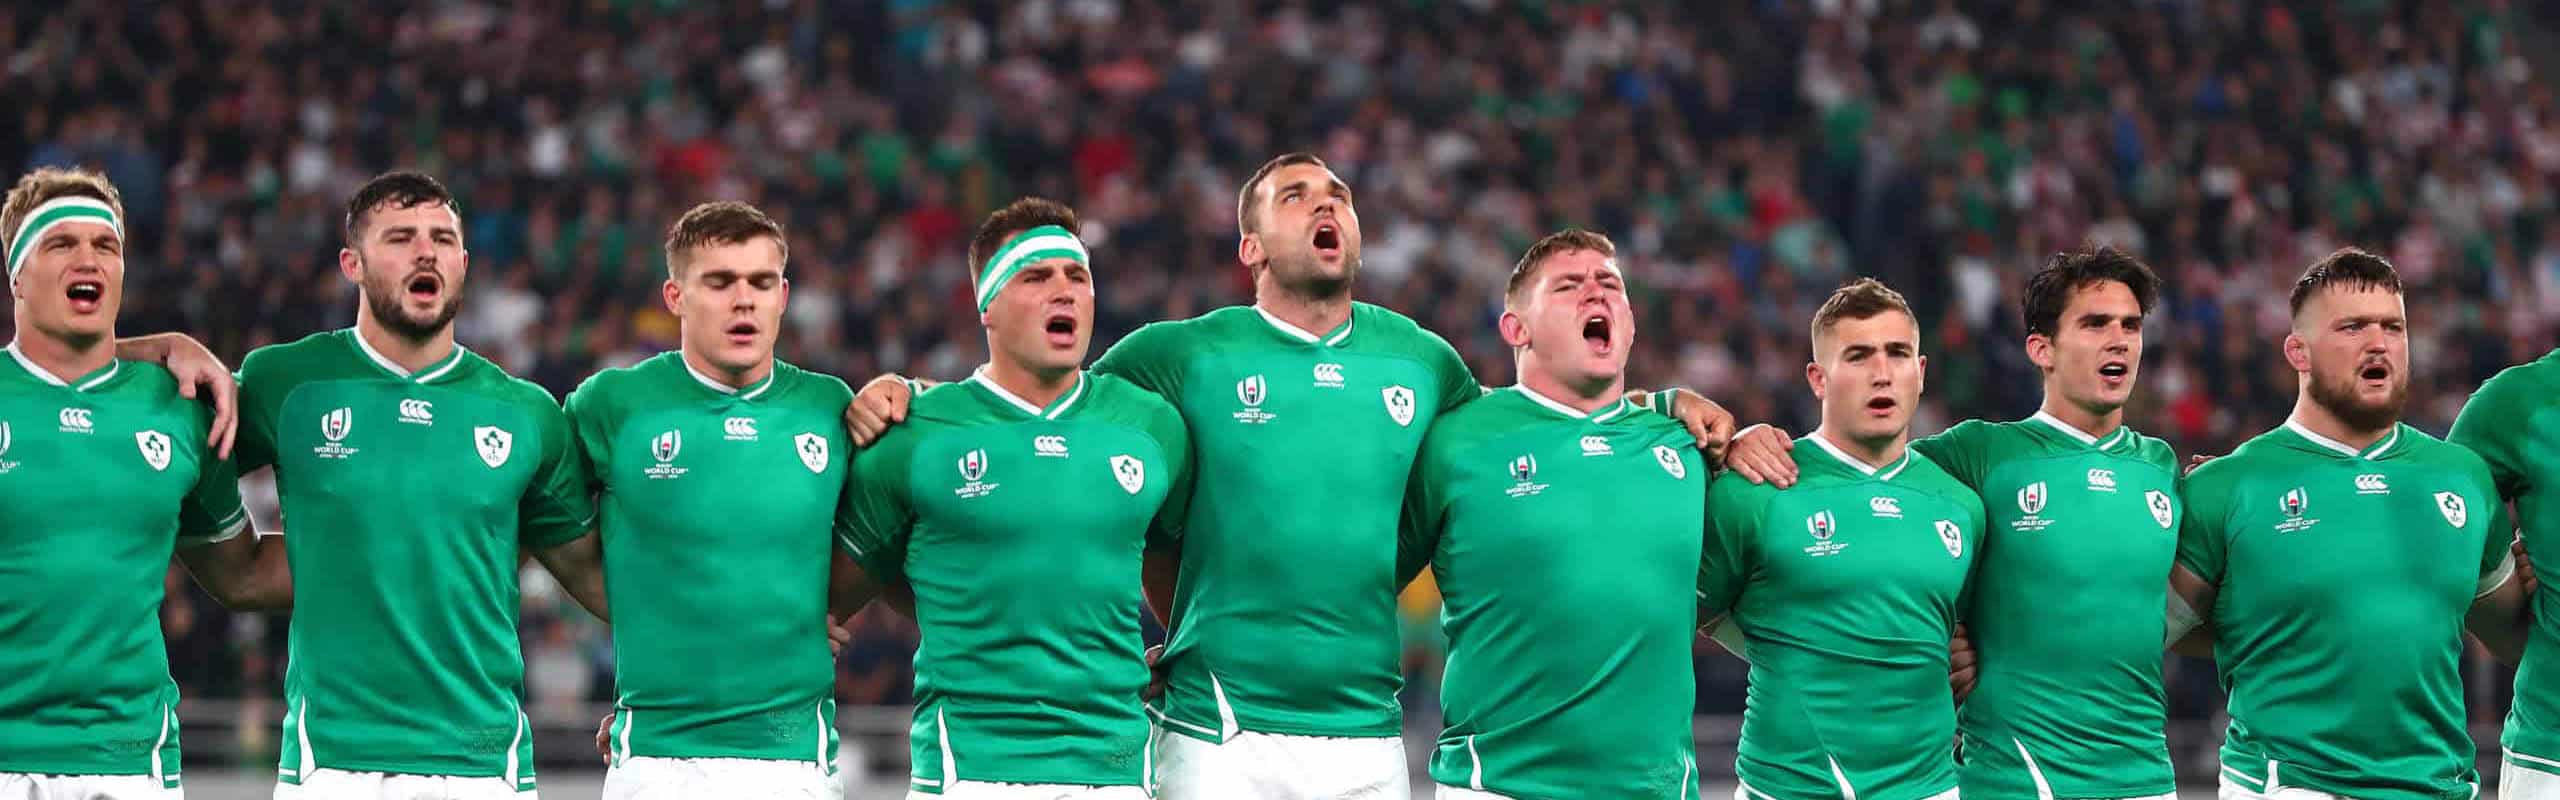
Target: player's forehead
x,y
423,217
1886,328
2336,304
753,256
2105,297
1576,265
1300,176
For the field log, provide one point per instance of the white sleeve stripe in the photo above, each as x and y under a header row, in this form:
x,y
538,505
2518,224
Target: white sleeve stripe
x,y
2496,578
239,522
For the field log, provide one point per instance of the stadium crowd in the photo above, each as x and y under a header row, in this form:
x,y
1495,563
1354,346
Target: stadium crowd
x,y
1746,156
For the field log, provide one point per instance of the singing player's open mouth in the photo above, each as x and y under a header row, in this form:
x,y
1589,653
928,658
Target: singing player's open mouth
x,y
1060,329
424,287
2115,373
1327,239
1881,405
86,295
2376,373
742,332
1595,331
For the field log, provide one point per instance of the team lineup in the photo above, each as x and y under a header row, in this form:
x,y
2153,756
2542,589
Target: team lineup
x,y
1981,612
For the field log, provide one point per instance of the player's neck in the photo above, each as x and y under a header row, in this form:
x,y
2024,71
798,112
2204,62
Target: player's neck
x,y
410,355
734,379
1316,315
2314,417
2092,424
65,360
1584,396
1875,453
1039,387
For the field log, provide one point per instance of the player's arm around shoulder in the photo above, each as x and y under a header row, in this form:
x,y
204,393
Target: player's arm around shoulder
x,y
2500,609
556,519
2197,571
1729,556
221,547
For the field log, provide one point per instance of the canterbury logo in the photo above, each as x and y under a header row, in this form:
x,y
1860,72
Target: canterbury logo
x,y
1595,446
1051,446
417,412
2102,480
2372,483
1329,376
738,428
1885,506
76,420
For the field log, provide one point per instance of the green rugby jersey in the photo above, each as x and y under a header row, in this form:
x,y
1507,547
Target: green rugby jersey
x,y
2512,424
1846,588
2064,609
1285,614
408,498
728,497
101,478
1020,528
2344,577
1570,631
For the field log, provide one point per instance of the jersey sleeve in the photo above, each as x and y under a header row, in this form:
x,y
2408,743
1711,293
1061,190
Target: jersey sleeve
x,y
873,518
1167,428
1418,531
212,511
557,507
591,430
1150,357
2491,424
1961,450
262,391
2502,531
1457,383
1729,556
2204,536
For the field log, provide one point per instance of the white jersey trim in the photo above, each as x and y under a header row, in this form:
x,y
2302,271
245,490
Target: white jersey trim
x,y
1604,413
1884,472
2044,791
2073,431
2534,760
1060,406
751,391
1302,335
161,742
114,365
432,372
1847,792
2496,577
2378,448
1475,774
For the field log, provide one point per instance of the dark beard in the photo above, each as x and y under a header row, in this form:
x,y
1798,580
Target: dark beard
x,y
2340,400
385,302
1307,283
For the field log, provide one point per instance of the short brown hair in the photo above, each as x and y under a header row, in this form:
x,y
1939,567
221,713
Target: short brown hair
x,y
1859,299
47,184
1247,203
2050,288
397,189
719,222
1554,244
2349,268
1016,217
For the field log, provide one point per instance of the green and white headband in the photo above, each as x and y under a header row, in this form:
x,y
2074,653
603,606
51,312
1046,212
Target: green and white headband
x,y
22,242
1024,249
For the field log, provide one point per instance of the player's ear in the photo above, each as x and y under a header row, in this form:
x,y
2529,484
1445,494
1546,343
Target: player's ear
x,y
2297,352
1920,381
1249,250
351,266
1515,331
1813,378
673,294
2040,350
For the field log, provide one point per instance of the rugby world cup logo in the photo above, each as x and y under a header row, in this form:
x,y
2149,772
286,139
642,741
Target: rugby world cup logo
x,y
1524,468
2295,502
666,446
1820,525
973,466
335,424
2031,498
1250,390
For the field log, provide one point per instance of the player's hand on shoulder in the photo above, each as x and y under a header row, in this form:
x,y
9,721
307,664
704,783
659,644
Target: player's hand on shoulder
x,y
1706,420
839,636
880,404
1761,454
1960,663
2195,461
2524,568
195,365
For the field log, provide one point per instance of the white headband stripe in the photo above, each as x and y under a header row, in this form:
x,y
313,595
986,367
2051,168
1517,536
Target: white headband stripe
x,y
56,212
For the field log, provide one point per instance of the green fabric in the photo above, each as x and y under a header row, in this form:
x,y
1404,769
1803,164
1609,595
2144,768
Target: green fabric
x,y
2066,604
1021,532
101,480
2511,423
415,668
731,495
1569,671
1285,616
2343,581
